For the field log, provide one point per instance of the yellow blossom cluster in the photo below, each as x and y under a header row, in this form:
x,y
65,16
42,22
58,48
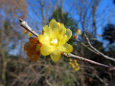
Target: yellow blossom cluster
x,y
74,64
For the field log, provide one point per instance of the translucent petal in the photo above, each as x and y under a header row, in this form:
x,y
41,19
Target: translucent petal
x,y
64,38
55,57
44,39
67,35
47,30
46,50
60,48
61,29
53,24
57,28
68,48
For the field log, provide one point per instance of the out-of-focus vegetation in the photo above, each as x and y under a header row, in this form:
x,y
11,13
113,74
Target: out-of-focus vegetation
x,y
17,70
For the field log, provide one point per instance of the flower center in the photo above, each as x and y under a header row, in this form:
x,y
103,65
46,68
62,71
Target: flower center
x,y
54,41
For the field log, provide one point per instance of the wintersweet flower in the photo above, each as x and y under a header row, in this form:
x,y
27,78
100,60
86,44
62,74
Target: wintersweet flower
x,y
54,40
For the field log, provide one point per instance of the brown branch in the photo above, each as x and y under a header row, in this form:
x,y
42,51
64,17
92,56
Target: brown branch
x,y
25,26
98,52
90,61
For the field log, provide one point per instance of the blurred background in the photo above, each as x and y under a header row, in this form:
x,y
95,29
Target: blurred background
x,y
94,17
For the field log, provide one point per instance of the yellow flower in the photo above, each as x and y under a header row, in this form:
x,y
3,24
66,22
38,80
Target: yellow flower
x,y
74,64
54,40
78,31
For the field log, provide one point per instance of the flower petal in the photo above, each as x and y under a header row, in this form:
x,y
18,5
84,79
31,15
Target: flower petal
x,y
53,24
44,39
45,50
61,29
67,35
57,28
68,48
55,57
47,30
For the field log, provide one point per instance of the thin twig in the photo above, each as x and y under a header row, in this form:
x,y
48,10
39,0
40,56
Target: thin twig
x,y
98,52
101,80
90,61
26,26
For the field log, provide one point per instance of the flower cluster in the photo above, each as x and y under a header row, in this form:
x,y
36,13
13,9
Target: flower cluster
x,y
53,42
74,64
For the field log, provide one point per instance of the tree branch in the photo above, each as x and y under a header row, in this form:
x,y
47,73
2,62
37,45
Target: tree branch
x,y
98,52
25,26
89,61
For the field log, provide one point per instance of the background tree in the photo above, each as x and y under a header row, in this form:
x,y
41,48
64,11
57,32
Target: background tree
x,y
9,12
109,33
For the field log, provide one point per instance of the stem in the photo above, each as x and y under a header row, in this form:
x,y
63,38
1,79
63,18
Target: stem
x,y
90,61
98,52
28,28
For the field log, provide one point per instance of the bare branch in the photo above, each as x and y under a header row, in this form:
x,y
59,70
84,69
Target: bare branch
x,y
25,26
90,61
98,52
